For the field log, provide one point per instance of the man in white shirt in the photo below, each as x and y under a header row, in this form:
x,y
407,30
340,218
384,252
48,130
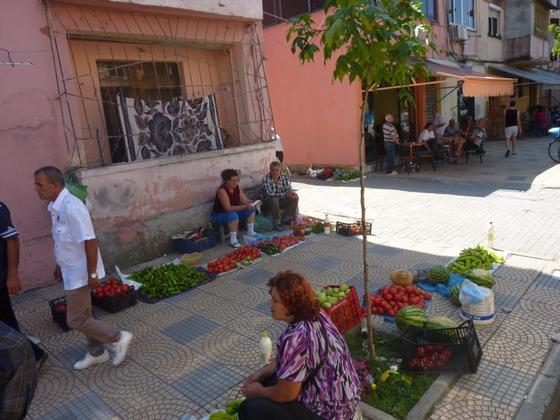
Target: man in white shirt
x,y
439,123
79,266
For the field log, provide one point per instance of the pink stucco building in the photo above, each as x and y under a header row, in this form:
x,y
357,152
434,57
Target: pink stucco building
x,y
67,70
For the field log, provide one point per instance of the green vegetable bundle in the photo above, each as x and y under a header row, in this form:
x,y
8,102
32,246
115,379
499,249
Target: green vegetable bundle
x,y
231,411
270,249
470,258
167,280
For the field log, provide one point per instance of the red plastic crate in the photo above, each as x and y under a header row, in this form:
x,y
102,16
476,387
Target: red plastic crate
x,y
346,313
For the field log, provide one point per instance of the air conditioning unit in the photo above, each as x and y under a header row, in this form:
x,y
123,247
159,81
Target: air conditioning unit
x,y
459,33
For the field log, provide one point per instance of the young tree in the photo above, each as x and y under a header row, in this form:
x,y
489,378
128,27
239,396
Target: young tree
x,y
555,31
376,43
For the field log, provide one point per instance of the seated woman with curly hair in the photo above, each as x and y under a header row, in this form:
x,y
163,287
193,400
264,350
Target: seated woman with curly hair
x,y
313,376
230,205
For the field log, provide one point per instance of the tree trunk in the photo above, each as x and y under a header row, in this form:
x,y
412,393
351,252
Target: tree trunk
x,y
371,344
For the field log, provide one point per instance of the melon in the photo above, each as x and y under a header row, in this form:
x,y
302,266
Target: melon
x,y
440,322
454,294
438,274
410,316
401,277
483,278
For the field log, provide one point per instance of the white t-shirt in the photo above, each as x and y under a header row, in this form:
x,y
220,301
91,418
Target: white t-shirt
x,y
278,143
426,135
438,120
71,226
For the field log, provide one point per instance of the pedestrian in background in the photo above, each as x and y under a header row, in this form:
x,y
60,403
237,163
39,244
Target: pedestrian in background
x,y
390,140
512,128
10,283
80,268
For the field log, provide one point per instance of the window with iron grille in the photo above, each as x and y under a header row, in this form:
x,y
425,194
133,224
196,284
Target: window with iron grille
x,y
461,12
278,11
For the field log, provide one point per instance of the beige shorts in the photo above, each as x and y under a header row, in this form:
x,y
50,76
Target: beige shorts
x,y
511,131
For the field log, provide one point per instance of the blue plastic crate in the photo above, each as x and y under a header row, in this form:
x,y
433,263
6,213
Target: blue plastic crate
x,y
187,246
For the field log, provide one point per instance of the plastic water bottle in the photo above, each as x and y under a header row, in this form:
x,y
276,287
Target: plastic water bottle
x,y
490,236
265,346
327,224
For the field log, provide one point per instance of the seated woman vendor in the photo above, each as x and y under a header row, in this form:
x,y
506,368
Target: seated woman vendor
x,y
313,376
230,205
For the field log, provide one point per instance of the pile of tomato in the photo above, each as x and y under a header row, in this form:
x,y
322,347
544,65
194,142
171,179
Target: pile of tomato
x,y
283,242
430,358
393,298
112,287
229,262
245,252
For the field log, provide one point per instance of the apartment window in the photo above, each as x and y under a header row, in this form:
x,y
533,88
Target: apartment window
x,y
494,17
429,9
541,21
277,11
461,12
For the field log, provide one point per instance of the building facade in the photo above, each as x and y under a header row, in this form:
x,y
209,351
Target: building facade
x,y
147,101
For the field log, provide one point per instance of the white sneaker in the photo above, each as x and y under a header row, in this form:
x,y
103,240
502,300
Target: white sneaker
x,y
394,173
121,347
90,360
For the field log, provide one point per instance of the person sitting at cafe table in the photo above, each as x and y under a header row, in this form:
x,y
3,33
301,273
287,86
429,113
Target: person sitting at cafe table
x,y
478,134
428,138
230,205
453,135
277,194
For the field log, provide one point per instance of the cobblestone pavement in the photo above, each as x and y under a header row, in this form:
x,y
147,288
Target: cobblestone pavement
x,y
190,352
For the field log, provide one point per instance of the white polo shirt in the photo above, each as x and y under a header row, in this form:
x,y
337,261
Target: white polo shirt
x,y
71,226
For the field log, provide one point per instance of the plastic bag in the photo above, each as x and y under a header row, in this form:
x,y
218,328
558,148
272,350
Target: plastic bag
x,y
75,187
473,293
263,224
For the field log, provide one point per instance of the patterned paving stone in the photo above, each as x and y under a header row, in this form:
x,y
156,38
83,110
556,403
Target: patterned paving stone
x,y
253,277
542,303
440,306
516,178
155,315
207,382
465,405
56,386
263,307
190,328
384,251
548,280
163,356
505,300
164,407
88,403
322,262
498,382
513,281
523,356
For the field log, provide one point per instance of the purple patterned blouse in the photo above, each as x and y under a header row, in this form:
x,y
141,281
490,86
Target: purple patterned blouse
x,y
334,392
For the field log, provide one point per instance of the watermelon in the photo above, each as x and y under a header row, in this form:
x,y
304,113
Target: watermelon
x,y
454,294
410,316
483,278
440,322
438,274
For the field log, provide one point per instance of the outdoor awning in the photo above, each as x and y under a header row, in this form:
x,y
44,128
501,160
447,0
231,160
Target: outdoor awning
x,y
474,84
547,78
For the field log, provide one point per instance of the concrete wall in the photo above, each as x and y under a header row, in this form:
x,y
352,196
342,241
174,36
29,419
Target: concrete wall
x,y
490,48
250,9
317,119
30,131
137,207
519,18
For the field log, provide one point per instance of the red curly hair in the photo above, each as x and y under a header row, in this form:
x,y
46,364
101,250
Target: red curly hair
x,y
296,294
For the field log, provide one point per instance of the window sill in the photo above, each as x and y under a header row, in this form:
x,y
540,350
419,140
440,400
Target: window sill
x,y
88,173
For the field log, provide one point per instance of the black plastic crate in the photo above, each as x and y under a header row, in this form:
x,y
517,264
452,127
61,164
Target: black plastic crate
x,y
59,316
114,304
444,350
352,229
